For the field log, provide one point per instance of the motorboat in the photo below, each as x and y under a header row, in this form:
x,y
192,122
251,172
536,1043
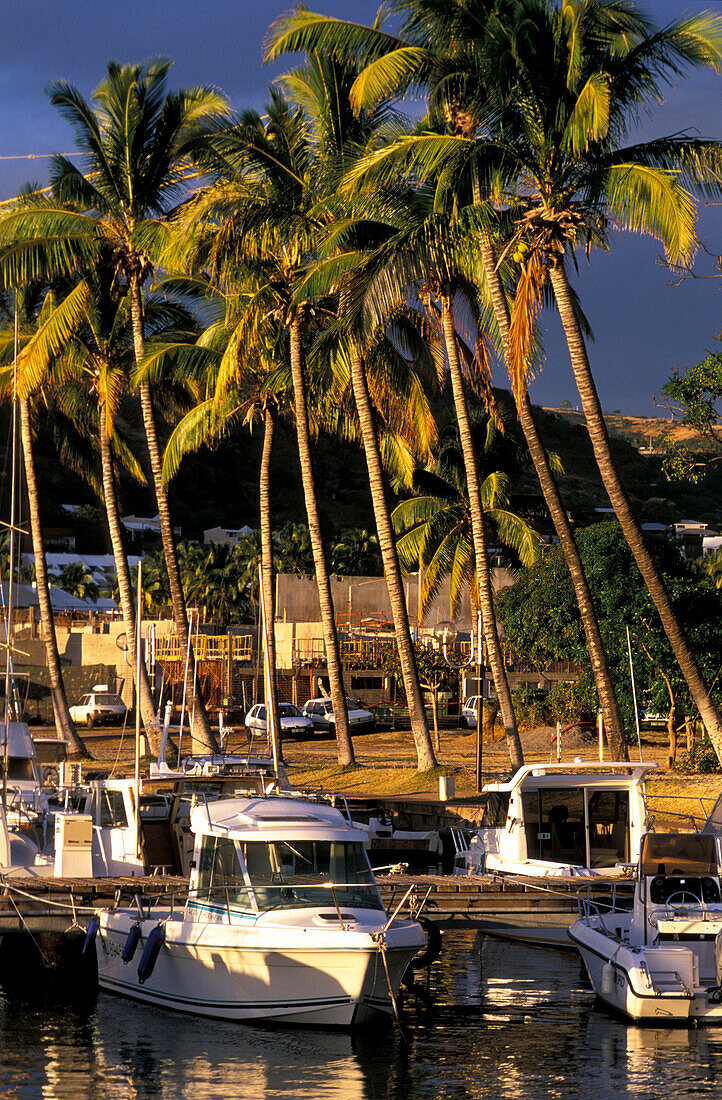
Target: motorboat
x,y
661,961
283,922
579,819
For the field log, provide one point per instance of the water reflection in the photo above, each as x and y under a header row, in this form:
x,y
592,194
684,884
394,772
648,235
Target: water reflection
x,y
489,1020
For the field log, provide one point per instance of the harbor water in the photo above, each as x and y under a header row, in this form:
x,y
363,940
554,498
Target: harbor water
x,y
488,1020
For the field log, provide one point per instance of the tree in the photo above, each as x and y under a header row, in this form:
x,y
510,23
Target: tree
x,y
134,143
76,578
696,397
325,84
356,554
29,316
540,617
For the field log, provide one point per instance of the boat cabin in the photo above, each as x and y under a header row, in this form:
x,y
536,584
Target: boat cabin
x,y
254,857
24,780
560,819
679,879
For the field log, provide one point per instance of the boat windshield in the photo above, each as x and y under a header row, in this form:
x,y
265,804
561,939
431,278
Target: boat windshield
x,y
678,854
285,874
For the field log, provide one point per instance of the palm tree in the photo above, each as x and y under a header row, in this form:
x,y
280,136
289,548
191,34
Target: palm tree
x,y
356,553
580,179
134,143
436,527
28,304
92,357
76,578
323,87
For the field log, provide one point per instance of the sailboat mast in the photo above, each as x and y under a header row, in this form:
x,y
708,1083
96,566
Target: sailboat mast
x,y
9,608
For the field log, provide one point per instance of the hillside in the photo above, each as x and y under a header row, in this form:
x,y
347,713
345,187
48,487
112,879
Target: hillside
x,y
639,445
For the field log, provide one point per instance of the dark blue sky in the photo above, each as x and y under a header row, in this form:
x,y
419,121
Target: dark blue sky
x,y
643,327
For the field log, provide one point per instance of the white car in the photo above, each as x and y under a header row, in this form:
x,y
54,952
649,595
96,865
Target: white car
x,y
99,706
320,711
470,712
292,721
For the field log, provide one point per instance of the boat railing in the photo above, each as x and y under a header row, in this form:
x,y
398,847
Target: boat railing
x,y
239,899
590,908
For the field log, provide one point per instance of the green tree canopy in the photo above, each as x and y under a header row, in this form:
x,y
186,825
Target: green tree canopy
x,y
541,618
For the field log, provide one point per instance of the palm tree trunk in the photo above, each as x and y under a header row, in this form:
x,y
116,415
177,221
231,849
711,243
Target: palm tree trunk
x,y
201,731
333,656
481,554
63,721
623,508
144,696
392,570
613,724
269,596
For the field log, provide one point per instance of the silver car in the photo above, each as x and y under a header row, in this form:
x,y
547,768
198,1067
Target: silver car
x,y
293,723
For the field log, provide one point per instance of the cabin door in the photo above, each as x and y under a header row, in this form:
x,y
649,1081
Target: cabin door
x,y
608,818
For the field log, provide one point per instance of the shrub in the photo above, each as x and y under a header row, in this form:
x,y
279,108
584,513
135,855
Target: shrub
x,y
702,760
531,707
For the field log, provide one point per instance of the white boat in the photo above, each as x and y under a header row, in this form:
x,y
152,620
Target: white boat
x,y
662,961
283,922
580,819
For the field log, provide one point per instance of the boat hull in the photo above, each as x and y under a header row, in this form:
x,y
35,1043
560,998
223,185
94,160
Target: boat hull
x,y
295,976
653,985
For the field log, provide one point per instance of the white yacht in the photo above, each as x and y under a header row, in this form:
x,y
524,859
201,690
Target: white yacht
x,y
560,819
283,922
662,961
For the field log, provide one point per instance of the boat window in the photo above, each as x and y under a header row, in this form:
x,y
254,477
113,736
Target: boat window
x,y
220,875
496,809
310,873
554,824
20,767
154,806
112,809
678,854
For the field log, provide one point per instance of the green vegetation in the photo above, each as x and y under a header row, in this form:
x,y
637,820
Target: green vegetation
x,y
351,274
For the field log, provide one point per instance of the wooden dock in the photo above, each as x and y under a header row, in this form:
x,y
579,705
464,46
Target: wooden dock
x,y
52,905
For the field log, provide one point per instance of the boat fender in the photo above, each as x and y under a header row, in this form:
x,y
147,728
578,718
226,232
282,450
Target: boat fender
x,y
131,943
93,926
148,959
607,987
431,952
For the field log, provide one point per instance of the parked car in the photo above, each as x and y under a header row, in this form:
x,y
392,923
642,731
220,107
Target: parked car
x,y
99,706
470,712
292,721
320,711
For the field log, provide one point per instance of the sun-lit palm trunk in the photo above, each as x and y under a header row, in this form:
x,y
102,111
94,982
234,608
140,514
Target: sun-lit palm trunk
x,y
323,581
202,733
622,506
273,723
63,721
613,724
125,587
478,534
392,570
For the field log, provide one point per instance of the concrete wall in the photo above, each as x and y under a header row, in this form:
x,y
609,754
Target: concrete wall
x,y
358,597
